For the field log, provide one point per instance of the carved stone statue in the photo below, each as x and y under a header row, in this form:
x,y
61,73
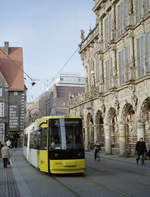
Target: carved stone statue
x,y
130,6
135,101
82,34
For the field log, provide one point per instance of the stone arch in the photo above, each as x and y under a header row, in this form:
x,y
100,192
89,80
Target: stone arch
x,y
99,123
90,131
129,120
145,118
113,126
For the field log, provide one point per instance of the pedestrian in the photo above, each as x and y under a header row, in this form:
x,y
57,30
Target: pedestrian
x,y
148,150
8,142
97,150
5,154
140,150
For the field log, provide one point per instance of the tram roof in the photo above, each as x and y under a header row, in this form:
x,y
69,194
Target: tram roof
x,y
45,118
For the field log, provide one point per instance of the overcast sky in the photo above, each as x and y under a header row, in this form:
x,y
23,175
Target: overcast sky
x,y
49,32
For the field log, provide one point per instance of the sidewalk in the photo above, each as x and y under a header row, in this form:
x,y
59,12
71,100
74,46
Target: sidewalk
x,y
8,185
12,184
131,160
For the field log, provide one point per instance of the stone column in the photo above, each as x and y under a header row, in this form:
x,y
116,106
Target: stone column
x,y
95,133
122,139
86,139
107,140
140,129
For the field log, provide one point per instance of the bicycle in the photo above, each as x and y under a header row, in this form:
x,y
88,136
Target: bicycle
x,y
97,153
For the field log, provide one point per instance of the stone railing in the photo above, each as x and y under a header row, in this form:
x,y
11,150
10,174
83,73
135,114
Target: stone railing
x,y
84,97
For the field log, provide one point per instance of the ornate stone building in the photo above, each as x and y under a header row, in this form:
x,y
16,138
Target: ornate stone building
x,y
116,58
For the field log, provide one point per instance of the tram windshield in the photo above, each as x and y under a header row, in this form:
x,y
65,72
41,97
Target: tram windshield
x,y
66,134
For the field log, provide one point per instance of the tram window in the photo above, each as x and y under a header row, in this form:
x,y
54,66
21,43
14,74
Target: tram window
x,y
55,134
74,138
34,140
25,139
44,139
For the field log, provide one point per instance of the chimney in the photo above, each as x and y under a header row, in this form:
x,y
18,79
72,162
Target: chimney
x,y
6,47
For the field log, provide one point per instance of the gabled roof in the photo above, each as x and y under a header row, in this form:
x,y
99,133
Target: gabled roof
x,y
11,66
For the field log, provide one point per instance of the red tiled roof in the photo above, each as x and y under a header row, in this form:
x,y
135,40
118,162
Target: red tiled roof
x,y
11,66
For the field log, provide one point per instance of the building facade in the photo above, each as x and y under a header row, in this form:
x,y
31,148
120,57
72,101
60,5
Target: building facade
x,y
12,92
65,86
116,58
55,101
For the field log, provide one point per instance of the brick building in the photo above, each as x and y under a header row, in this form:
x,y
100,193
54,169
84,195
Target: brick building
x,y
12,92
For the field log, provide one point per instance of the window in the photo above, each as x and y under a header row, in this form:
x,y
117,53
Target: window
x,y
121,66
25,140
122,16
126,13
118,20
34,139
97,69
1,109
139,10
2,130
107,29
146,4
109,73
127,59
15,93
148,51
124,64
140,56
1,91
43,139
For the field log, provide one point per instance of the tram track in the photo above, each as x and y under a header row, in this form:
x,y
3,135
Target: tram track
x,y
66,186
118,160
129,171
106,188
126,179
71,183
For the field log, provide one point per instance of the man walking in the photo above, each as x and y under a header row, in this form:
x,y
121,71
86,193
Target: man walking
x,y
141,150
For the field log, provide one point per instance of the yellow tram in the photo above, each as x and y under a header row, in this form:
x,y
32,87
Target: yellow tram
x,y
55,145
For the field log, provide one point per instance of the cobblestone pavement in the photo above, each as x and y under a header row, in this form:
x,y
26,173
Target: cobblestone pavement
x,y
8,185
